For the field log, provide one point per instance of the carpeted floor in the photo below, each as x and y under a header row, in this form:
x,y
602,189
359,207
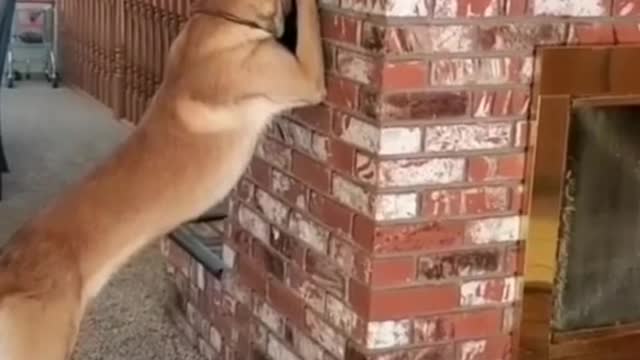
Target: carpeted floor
x,y
51,138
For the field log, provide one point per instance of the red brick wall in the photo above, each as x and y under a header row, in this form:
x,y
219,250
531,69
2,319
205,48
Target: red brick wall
x,y
386,224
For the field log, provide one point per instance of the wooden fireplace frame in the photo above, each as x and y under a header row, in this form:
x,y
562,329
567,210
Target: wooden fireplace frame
x,y
566,78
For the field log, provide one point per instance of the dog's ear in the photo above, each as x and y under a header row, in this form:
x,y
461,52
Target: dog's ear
x,y
290,37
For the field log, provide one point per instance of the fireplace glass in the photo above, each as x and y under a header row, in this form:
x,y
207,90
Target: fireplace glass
x,y
598,278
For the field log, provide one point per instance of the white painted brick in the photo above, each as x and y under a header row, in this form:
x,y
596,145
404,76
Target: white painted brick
x,y
293,133
312,234
251,222
326,335
238,291
215,339
277,350
492,230
467,137
450,38
483,292
350,194
319,147
280,183
396,206
200,276
206,350
406,8
360,133
260,336
471,350
386,334
421,172
306,347
476,71
366,168
269,317
228,256
341,316
354,66
569,7
400,140
272,209
274,153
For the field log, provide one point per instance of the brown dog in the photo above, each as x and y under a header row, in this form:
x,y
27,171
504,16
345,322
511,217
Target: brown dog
x,y
226,76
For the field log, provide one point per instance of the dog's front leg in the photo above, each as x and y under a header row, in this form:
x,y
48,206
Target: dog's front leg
x,y
288,80
309,44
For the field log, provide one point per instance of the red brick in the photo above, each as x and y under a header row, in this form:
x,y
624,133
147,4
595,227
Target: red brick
x,y
329,52
478,324
285,301
342,93
404,303
522,134
311,172
259,171
490,291
325,273
520,36
626,7
514,260
245,191
366,168
375,38
467,8
340,28
275,153
503,102
331,213
268,260
250,275
443,352
519,199
287,246
393,271
306,289
516,7
341,156
500,167
318,117
485,349
433,330
434,235
425,105
357,67
292,190
404,76
440,352
456,202
359,298
352,260
627,33
364,231
240,239
179,258
591,34
460,264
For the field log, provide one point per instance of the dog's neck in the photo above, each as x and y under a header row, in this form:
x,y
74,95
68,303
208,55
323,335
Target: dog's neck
x,y
230,18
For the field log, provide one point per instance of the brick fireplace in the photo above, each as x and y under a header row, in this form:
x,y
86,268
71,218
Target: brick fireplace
x,y
390,222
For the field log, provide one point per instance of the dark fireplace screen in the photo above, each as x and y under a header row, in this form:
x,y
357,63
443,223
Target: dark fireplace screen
x,y
598,279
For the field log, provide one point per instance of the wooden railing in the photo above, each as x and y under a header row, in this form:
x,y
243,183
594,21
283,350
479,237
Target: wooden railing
x,y
115,49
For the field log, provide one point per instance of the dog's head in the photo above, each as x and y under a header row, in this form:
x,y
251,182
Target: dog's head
x,y
266,14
